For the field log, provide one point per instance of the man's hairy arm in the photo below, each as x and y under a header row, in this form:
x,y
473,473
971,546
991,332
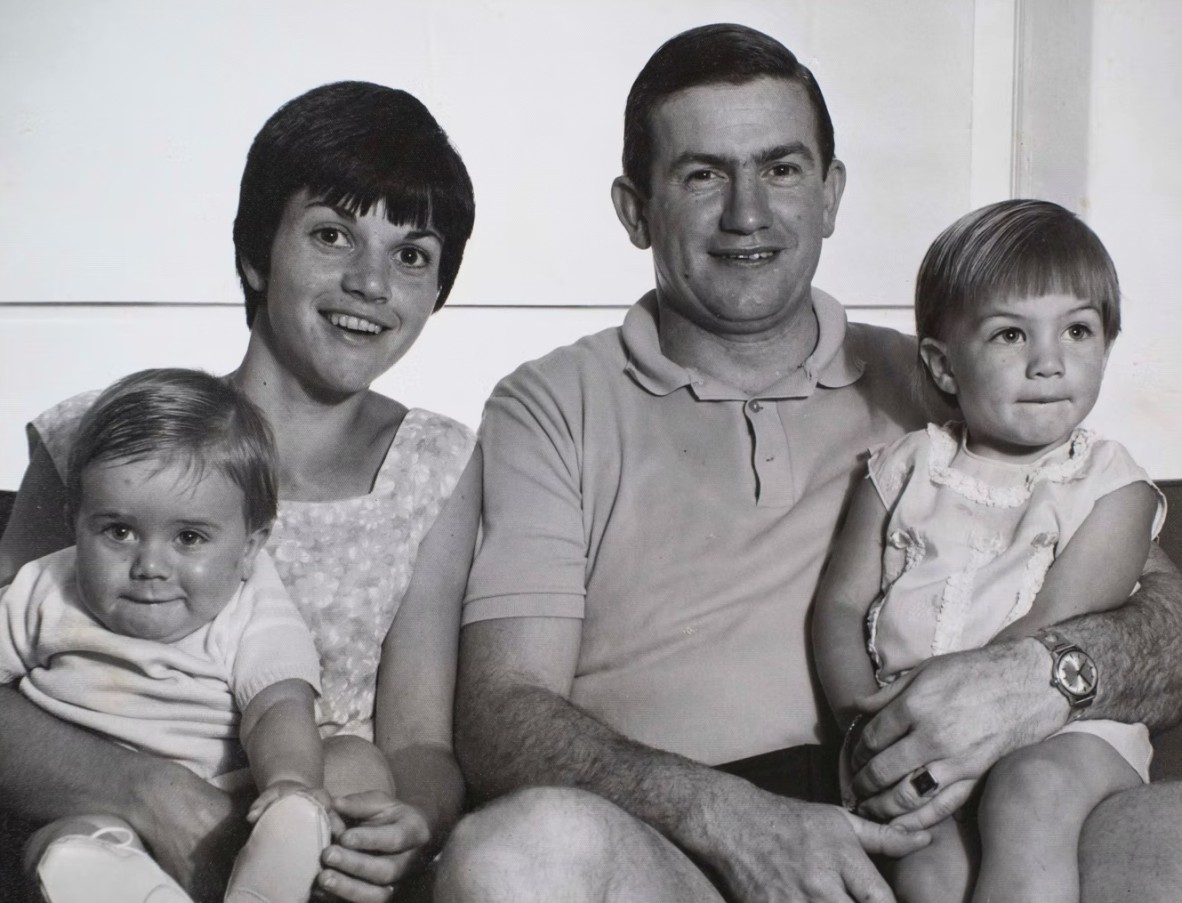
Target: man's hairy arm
x,y
515,727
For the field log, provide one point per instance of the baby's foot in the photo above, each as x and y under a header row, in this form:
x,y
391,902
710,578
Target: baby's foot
x,y
104,867
282,857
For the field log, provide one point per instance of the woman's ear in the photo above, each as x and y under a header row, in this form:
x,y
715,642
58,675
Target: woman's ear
x,y
935,358
630,207
254,278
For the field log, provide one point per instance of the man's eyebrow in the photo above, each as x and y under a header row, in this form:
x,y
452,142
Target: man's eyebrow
x,y
791,149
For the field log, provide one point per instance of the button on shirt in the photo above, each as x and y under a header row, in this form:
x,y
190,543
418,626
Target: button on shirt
x,y
684,521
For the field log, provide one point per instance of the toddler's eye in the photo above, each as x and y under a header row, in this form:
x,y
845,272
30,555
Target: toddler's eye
x,y
190,538
118,532
1079,331
1010,336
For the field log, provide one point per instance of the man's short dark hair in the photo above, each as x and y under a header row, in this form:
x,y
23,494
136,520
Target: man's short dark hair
x,y
353,145
711,55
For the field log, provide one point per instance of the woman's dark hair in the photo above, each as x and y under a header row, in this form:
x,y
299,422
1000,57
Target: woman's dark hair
x,y
353,145
171,415
711,55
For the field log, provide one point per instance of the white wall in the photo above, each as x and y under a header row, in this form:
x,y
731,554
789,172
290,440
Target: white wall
x,y
124,124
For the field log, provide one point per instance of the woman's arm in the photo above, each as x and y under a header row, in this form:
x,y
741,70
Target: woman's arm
x,y
413,713
1100,565
37,525
851,583
279,735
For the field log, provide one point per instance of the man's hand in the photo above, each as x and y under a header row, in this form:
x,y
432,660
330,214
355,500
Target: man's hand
x,y
381,842
955,715
777,849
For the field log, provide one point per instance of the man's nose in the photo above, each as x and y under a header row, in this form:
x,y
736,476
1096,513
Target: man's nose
x,y
150,562
365,275
747,208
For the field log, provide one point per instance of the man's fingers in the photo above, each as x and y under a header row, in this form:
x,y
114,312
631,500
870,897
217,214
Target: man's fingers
x,y
886,840
911,792
945,803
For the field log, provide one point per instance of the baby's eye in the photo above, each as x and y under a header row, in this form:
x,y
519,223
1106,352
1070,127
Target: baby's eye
x,y
1077,332
118,532
190,538
413,257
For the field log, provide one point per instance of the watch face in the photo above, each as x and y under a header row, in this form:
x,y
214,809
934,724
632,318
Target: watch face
x,y
1077,673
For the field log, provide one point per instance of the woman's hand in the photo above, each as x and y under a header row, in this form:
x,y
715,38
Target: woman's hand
x,y
381,844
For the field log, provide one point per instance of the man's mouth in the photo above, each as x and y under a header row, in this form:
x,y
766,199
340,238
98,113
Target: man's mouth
x,y
354,324
746,256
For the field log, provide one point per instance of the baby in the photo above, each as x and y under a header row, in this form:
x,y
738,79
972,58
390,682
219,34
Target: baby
x,y
1001,526
166,628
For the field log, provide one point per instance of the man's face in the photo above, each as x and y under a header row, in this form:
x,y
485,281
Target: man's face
x,y
739,205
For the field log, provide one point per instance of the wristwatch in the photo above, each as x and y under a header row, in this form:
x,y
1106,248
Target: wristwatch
x,y
1073,673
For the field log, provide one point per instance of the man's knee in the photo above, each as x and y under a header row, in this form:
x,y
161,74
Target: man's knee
x,y
1129,848
514,847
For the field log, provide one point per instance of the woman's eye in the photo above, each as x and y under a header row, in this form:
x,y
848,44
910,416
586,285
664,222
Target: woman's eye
x,y
190,538
331,235
118,532
412,257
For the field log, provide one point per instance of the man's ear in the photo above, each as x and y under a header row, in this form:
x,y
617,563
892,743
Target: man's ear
x,y
935,358
254,545
254,278
630,208
834,188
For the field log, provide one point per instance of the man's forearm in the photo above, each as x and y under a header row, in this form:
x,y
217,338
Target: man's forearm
x,y
1138,649
517,736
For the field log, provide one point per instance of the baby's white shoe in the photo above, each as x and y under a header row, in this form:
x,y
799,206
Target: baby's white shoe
x,y
104,867
282,857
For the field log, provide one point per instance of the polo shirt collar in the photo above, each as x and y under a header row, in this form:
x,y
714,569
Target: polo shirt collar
x,y
831,364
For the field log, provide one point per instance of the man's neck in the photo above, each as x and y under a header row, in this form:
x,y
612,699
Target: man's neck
x,y
749,363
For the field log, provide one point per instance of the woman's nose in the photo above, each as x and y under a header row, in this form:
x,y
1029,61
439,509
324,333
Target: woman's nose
x,y
365,276
747,209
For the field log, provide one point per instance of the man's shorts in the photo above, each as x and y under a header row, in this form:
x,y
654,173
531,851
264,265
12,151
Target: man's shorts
x,y
802,772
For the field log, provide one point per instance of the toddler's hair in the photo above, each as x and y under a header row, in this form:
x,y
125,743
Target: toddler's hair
x,y
1019,248
173,414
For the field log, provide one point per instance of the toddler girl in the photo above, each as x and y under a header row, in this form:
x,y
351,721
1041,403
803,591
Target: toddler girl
x,y
167,629
1000,526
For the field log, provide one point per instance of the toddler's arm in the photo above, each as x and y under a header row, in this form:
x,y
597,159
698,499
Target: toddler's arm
x,y
281,740
1101,564
851,583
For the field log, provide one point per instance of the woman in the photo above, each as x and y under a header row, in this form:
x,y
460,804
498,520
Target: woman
x,y
353,215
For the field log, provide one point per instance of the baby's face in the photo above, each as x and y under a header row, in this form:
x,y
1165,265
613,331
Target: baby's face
x,y
161,550
1026,371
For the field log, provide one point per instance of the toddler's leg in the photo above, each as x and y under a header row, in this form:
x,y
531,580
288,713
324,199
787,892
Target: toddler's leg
x,y
97,859
1032,811
941,872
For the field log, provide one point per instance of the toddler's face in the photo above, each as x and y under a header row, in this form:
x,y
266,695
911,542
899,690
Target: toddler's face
x,y
160,551
1025,371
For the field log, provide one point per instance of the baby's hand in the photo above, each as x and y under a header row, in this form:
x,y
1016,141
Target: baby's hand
x,y
279,790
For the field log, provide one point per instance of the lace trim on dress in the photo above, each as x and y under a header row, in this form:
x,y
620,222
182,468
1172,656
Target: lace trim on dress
x,y
1061,465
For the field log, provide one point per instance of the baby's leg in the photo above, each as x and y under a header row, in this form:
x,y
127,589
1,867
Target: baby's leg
x,y
941,872
354,765
1032,811
96,859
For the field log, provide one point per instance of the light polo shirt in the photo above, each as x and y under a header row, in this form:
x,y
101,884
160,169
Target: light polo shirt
x,y
684,521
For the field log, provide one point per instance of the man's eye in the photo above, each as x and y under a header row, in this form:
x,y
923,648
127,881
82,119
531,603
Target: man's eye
x,y
118,532
190,538
702,175
785,170
412,257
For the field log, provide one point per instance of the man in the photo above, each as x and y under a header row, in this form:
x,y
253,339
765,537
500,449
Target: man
x,y
659,502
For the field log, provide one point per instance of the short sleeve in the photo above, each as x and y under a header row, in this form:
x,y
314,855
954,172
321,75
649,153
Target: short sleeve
x,y
532,559
56,428
891,467
270,640
1111,467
